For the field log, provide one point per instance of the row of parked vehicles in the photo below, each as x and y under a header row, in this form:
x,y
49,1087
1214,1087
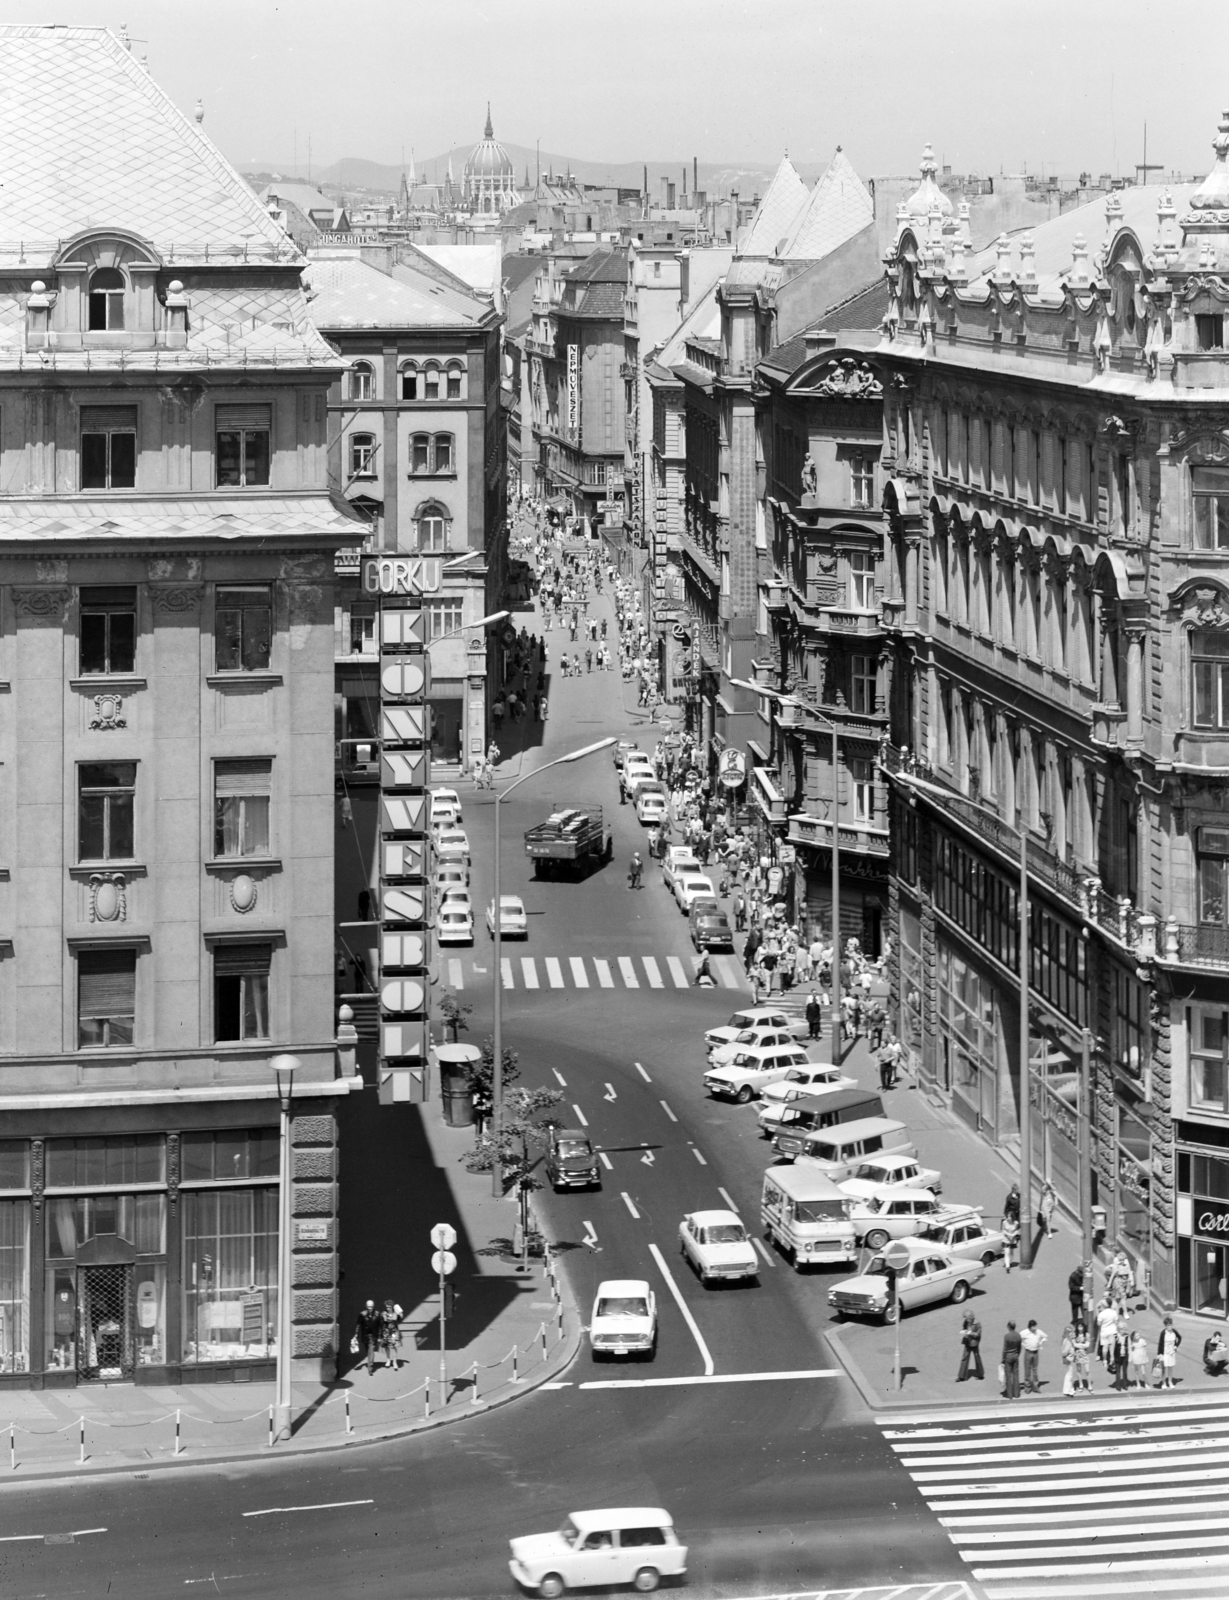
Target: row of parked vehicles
x,y
454,915
847,1177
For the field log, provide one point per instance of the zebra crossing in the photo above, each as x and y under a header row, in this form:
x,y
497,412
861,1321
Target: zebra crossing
x,y
544,973
1118,1503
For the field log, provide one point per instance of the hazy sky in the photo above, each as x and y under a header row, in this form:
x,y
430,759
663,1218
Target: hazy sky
x,y
994,86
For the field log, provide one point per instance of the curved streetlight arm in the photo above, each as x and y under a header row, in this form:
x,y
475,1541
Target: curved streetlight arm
x,y
497,1066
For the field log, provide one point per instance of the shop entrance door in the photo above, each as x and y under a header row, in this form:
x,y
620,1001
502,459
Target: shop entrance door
x,y
1209,1277
105,1344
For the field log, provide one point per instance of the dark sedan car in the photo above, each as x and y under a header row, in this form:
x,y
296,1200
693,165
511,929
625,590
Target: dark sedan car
x,y
710,927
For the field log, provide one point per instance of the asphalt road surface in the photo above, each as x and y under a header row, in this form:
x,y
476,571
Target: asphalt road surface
x,y
776,1484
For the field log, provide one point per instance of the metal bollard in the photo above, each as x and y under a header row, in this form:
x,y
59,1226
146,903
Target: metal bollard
x,y
12,1447
516,1358
177,1430
473,1399
349,1424
426,1399
82,1427
542,1331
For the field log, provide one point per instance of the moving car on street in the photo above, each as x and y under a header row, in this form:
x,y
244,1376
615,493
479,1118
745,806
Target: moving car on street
x,y
716,1244
753,1017
709,926
692,886
600,1549
513,920
931,1274
571,1162
968,1237
751,1067
624,1319
454,923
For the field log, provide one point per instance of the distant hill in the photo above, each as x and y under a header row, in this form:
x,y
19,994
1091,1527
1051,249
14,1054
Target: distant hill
x,y
354,173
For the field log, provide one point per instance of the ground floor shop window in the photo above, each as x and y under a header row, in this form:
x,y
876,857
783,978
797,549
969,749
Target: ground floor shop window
x,y
14,1285
912,986
1203,1216
230,1274
105,1309
969,1040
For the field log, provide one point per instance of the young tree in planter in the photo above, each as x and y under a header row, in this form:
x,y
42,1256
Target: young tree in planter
x,y
454,1012
524,1136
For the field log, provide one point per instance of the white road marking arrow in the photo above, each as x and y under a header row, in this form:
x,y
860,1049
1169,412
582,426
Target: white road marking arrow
x,y
610,1094
648,1158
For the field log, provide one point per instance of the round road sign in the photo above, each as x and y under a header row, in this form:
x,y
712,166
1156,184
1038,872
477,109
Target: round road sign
x,y
443,1236
443,1262
896,1255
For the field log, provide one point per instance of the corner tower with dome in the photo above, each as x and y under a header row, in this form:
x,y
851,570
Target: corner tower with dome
x,y
488,183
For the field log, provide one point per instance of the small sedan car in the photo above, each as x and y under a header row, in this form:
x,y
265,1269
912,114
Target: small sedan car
x,y
880,1213
634,1545
716,1244
709,926
651,807
626,748
571,1162
624,1319
751,1069
680,858
454,924
969,1238
445,807
893,1166
692,886
513,919
635,773
722,1054
932,1274
450,875
752,1017
452,844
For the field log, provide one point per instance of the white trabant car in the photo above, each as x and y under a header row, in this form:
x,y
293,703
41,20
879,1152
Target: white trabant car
x,y
799,1083
930,1274
720,1055
893,1166
692,886
452,844
752,1068
651,807
445,807
513,918
454,923
754,1017
634,1545
716,1244
624,1319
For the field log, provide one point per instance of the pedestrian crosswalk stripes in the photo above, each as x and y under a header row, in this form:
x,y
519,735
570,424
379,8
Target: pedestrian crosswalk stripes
x,y
589,972
1053,1505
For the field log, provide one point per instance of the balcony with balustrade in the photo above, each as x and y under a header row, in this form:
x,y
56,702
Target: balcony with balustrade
x,y
1201,946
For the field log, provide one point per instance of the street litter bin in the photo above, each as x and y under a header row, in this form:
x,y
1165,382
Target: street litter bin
x,y
454,1062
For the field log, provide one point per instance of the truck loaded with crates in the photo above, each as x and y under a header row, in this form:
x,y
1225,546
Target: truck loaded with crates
x,y
569,841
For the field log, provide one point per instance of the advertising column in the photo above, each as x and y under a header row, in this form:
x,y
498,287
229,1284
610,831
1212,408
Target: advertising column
x,y
405,822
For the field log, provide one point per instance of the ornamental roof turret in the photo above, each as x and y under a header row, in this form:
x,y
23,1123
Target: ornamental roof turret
x,y
928,193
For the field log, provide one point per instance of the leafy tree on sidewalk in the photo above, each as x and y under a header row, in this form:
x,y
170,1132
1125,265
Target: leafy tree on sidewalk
x,y
524,1135
454,1012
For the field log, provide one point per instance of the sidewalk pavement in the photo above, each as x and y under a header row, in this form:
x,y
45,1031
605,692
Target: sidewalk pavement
x,y
930,1338
525,1333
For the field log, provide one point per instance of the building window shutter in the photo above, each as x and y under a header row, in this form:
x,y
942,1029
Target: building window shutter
x,y
242,960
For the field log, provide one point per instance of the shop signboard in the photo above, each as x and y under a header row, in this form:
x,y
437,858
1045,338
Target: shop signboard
x,y
574,387
786,855
405,818
1211,1218
252,1307
732,773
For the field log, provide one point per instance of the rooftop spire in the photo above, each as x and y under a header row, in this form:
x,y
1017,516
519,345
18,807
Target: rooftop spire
x,y
488,132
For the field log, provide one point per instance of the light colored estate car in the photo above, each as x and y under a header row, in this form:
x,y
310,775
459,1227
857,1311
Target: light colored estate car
x,y
754,1066
624,1319
931,1273
752,1017
634,1545
717,1246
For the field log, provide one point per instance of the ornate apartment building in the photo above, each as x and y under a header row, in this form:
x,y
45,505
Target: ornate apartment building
x,y
1056,488
166,654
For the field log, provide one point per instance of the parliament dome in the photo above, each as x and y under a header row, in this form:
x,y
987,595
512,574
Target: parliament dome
x,y
488,182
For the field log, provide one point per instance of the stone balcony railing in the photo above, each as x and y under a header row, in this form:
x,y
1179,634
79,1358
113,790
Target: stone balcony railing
x,y
863,839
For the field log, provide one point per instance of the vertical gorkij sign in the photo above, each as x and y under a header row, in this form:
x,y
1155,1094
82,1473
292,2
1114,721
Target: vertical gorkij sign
x,y
405,820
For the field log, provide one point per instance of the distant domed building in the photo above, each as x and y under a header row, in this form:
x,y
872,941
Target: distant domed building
x,y
488,183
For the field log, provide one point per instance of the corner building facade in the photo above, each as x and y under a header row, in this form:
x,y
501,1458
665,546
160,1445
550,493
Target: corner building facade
x,y
1056,466
166,654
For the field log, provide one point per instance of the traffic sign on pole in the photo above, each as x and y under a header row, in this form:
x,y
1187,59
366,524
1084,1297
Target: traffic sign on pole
x,y
443,1236
895,1255
443,1262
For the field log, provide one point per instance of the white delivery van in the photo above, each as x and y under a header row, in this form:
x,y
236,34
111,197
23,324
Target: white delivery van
x,y
807,1217
838,1151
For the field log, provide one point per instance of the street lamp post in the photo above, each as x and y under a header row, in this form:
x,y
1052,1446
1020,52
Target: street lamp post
x,y
497,1070
284,1069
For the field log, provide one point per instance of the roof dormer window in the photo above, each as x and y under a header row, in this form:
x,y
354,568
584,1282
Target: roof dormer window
x,y
106,300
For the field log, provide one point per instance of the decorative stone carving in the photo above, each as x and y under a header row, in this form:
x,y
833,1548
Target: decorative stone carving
x,y
243,893
108,897
108,712
47,604
37,1173
849,380
172,1167
175,598
810,475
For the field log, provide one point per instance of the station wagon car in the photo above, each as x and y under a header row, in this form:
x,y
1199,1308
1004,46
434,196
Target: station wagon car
x,y
635,1545
932,1274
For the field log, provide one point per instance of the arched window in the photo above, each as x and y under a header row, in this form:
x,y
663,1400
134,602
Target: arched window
x,y
431,382
433,524
362,455
409,381
443,453
456,375
361,379
106,300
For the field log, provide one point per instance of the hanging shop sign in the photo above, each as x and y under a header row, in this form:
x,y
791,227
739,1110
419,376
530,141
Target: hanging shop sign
x,y
732,771
574,387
